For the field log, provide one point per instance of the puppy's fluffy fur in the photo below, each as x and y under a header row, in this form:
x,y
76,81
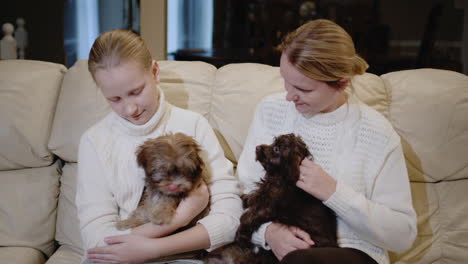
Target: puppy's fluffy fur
x,y
278,199
173,167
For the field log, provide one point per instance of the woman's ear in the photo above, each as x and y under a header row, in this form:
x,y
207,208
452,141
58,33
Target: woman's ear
x,y
155,70
343,83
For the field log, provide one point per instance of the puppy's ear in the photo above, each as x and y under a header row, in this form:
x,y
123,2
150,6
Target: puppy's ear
x,y
186,142
302,148
190,148
143,154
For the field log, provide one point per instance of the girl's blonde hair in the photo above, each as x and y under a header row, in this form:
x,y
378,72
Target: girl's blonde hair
x,y
116,46
324,51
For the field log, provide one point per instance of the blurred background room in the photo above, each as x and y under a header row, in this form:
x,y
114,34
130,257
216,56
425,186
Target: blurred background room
x,y
390,34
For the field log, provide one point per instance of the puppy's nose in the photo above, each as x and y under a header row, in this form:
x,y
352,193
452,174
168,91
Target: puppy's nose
x,y
258,148
173,187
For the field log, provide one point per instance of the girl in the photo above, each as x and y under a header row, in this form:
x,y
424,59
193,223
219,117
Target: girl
x,y
110,183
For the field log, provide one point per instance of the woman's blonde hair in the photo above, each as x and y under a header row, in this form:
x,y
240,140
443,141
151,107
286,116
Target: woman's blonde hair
x,y
116,46
324,51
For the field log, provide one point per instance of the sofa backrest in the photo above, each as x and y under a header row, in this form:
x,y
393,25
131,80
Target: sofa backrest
x,y
28,95
44,109
81,104
426,107
29,180
429,108
227,97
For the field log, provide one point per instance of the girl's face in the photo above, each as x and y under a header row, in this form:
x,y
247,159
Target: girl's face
x,y
310,96
131,90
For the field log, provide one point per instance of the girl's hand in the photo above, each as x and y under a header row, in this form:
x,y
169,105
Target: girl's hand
x,y
188,209
125,249
314,180
283,239
194,204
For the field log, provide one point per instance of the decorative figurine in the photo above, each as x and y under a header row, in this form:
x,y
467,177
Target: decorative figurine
x,y
21,36
8,43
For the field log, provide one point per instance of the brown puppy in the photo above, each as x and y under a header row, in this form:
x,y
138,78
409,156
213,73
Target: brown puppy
x,y
277,199
173,168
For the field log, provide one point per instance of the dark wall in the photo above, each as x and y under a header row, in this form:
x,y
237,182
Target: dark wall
x,y
44,24
408,18
390,34
254,27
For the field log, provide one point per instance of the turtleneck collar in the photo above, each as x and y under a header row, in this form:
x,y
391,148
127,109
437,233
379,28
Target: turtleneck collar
x,y
129,128
330,118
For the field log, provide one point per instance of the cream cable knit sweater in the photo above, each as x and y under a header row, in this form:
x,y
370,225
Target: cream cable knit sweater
x,y
359,148
110,183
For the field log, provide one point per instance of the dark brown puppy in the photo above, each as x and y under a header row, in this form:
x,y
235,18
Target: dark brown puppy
x,y
173,168
277,198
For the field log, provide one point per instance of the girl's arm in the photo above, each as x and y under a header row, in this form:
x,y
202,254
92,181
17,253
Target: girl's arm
x,y
138,249
188,209
96,206
226,207
213,231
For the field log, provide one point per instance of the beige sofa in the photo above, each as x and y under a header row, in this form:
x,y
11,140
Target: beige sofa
x,y
44,108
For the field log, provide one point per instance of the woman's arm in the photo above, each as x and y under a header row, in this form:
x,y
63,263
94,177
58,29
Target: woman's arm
x,y
387,218
249,171
270,236
97,209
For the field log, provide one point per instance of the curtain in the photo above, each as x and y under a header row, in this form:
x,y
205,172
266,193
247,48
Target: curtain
x,y
190,24
87,21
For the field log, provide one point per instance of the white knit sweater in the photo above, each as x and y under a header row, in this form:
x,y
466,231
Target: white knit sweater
x,y
359,148
110,183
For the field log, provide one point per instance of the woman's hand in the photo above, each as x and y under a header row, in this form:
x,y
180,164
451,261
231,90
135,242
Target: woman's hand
x,y
283,239
314,180
189,208
124,249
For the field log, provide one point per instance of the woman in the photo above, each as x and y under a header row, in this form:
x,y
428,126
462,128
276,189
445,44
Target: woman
x,y
359,169
110,183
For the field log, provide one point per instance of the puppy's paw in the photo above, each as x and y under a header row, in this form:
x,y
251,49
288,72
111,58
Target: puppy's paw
x,y
122,225
127,224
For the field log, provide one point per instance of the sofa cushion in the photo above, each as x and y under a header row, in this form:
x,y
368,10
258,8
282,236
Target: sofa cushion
x,y
28,201
240,87
186,84
238,90
453,217
428,110
28,97
426,247
21,255
67,228
442,225
65,255
371,90
80,105
190,85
